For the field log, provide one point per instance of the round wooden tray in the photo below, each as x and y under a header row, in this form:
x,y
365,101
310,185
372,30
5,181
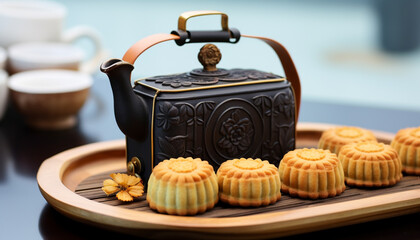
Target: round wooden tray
x,y
59,178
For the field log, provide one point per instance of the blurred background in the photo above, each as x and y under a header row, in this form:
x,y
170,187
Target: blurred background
x,y
361,52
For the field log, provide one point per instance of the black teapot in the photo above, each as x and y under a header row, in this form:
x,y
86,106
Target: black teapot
x,y
211,113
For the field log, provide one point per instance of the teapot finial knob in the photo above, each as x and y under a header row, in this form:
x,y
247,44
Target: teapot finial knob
x,y
209,56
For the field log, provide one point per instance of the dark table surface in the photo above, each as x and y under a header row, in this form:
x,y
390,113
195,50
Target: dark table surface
x,y
26,215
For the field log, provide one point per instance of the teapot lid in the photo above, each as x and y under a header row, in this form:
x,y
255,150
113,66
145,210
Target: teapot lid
x,y
209,76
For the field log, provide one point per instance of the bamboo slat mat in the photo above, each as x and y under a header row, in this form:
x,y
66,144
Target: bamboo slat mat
x,y
90,188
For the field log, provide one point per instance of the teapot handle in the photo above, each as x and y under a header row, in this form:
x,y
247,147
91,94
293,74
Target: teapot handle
x,y
228,35
182,20
285,59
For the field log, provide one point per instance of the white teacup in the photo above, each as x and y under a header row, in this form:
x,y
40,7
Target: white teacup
x,y
33,21
48,55
49,99
40,21
3,92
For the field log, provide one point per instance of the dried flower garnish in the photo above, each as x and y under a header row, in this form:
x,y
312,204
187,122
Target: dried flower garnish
x,y
127,186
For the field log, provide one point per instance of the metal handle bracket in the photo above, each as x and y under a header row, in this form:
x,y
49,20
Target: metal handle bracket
x,y
225,35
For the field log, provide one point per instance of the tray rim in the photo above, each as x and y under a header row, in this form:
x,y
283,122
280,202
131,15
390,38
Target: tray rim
x,y
282,223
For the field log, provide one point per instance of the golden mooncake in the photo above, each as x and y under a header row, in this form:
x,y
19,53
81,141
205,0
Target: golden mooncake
x,y
407,144
370,164
248,182
182,186
334,138
311,173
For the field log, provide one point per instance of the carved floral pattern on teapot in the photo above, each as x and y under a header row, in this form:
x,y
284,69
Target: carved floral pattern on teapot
x,y
232,127
237,134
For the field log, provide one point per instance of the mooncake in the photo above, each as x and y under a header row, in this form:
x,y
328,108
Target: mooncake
x,y
311,173
407,144
370,164
182,186
334,138
248,182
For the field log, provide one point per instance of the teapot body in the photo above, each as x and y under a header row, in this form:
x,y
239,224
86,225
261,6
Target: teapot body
x,y
218,122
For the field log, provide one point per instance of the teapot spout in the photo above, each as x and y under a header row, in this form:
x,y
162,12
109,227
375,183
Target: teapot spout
x,y
130,110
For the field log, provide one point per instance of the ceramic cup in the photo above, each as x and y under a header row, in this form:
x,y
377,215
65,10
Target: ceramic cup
x,y
49,55
3,58
35,21
3,92
40,21
49,99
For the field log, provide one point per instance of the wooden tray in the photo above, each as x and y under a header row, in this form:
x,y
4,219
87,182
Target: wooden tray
x,y
71,181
